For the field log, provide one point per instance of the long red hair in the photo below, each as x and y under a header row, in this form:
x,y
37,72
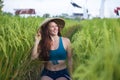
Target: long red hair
x,y
45,43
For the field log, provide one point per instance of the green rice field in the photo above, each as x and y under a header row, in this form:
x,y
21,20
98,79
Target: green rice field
x,y
95,43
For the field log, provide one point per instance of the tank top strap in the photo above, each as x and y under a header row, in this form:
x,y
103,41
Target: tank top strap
x,y
61,43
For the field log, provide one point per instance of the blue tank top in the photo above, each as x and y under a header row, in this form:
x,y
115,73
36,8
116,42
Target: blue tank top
x,y
60,53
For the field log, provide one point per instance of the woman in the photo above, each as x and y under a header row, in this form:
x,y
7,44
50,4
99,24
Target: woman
x,y
54,50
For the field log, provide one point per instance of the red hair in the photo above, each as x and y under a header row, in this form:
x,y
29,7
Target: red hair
x,y
45,43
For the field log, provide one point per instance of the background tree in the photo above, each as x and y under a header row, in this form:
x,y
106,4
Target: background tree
x,y
1,5
46,15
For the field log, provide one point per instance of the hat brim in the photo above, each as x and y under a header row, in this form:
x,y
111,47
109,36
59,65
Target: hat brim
x,y
59,21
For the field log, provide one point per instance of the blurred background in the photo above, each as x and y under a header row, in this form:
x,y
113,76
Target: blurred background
x,y
93,27
69,8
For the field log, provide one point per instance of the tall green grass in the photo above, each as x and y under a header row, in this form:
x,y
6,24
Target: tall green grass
x,y
16,41
97,50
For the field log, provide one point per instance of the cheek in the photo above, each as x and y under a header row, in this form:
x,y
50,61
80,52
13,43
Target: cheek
x,y
51,29
56,28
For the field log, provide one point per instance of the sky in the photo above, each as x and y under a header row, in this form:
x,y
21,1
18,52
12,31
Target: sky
x,y
57,7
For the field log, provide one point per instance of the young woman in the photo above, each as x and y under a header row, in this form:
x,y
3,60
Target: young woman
x,y
54,49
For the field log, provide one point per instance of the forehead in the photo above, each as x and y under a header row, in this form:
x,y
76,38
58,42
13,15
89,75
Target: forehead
x,y
52,23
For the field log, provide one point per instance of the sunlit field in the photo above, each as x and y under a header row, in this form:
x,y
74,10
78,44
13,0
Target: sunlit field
x,y
95,43
97,50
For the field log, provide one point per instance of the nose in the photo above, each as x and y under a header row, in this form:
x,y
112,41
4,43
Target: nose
x,y
55,27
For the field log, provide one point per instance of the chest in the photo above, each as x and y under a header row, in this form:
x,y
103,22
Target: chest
x,y
58,54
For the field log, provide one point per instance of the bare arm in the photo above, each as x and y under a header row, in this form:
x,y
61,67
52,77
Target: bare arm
x,y
69,51
35,53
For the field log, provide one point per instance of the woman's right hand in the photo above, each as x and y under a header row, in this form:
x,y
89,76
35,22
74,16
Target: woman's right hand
x,y
38,37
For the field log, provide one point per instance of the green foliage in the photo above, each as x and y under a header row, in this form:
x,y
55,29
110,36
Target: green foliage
x,y
1,5
96,48
70,28
47,15
16,40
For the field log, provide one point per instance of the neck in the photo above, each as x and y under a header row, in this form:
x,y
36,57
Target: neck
x,y
54,38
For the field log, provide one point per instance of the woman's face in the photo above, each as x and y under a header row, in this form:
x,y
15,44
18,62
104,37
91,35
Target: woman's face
x,y
53,28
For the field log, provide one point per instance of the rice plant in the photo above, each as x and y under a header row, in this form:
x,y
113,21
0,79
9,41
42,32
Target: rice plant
x,y
96,48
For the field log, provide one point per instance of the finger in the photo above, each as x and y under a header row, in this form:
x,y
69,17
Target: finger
x,y
39,32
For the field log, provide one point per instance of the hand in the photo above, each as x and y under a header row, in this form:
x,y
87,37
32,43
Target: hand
x,y
38,37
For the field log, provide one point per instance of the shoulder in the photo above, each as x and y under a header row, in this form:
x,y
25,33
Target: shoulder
x,y
67,44
66,40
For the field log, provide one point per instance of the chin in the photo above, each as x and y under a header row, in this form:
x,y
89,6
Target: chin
x,y
54,34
